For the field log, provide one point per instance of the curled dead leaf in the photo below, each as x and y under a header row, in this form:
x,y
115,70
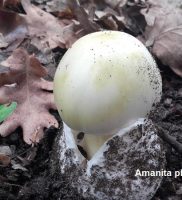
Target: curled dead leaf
x,y
45,30
13,29
110,19
60,8
164,34
84,17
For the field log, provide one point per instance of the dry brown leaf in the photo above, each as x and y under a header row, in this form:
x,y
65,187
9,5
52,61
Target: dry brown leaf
x,y
43,27
121,14
60,8
4,160
12,29
155,8
11,3
84,17
116,3
110,19
31,92
164,35
46,31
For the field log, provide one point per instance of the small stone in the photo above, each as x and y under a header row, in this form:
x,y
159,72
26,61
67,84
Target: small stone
x,y
168,102
5,150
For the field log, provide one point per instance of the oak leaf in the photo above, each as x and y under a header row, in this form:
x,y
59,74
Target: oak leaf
x,y
45,30
23,83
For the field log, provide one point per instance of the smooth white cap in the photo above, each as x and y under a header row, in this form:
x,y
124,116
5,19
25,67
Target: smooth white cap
x,y
106,81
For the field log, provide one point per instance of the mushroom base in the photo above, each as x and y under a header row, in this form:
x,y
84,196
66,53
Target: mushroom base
x,y
113,172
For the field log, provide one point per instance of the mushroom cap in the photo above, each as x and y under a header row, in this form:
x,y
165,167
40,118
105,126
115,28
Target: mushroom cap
x,y
106,81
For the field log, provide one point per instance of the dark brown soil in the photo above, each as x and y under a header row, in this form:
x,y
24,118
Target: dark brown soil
x,y
169,116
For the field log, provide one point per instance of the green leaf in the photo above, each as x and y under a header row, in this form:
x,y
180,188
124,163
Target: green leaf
x,y
6,110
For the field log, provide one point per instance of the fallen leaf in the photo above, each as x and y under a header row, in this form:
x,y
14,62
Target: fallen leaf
x,y
12,29
120,15
60,8
84,17
11,3
110,19
4,160
164,35
116,3
134,20
45,30
153,9
32,94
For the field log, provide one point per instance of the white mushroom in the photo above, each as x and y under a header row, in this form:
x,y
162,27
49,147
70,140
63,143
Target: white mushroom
x,y
105,82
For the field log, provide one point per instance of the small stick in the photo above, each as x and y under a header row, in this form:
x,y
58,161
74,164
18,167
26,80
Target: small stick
x,y
169,139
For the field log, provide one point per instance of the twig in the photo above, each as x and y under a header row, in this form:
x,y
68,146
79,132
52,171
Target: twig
x,y
12,184
164,134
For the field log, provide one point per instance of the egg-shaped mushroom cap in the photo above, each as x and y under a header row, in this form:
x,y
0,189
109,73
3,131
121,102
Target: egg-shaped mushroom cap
x,y
106,81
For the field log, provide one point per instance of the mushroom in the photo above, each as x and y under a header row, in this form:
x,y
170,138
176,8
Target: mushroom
x,y
105,82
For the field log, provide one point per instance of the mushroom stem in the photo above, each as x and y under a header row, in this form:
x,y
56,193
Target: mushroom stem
x,y
93,142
